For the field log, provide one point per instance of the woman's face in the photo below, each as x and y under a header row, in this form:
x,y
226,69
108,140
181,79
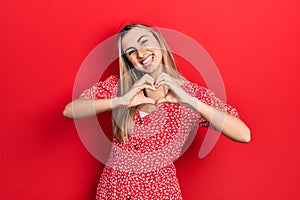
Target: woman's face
x,y
143,51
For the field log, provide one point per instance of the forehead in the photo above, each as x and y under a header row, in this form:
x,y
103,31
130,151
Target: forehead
x,y
131,37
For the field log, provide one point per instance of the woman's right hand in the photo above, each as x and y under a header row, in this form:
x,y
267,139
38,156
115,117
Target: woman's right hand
x,y
135,96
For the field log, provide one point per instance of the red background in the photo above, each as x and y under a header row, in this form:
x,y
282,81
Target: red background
x,y
255,44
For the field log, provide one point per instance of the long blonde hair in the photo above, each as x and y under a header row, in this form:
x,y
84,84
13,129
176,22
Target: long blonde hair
x,y
123,117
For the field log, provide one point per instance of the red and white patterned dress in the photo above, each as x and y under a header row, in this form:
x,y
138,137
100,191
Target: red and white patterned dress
x,y
142,166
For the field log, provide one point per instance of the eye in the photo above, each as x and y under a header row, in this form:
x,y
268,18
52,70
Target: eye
x,y
144,42
131,52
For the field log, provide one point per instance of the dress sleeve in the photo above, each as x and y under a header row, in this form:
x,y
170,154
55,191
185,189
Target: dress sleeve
x,y
103,89
207,96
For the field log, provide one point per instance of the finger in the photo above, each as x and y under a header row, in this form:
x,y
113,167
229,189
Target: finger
x,y
160,100
143,80
171,98
149,100
162,76
147,86
144,100
165,89
138,88
147,79
164,83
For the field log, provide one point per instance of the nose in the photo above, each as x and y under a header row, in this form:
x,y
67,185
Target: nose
x,y
141,52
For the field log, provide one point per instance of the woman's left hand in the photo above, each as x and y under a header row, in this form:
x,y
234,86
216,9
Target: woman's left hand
x,y
175,93
231,126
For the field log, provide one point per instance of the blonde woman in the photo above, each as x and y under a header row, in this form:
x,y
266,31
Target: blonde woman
x,y
154,109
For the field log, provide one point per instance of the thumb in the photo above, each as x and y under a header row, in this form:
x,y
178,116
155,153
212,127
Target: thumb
x,y
161,100
148,100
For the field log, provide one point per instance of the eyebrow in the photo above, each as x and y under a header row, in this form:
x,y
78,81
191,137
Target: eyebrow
x,y
138,40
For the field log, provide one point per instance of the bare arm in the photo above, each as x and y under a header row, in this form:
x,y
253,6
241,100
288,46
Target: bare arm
x,y
85,107
231,126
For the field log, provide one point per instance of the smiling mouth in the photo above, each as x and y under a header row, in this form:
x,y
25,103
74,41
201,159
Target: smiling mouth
x,y
148,61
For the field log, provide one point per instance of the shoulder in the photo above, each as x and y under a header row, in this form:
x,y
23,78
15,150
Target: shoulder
x,y
195,89
111,79
105,88
109,82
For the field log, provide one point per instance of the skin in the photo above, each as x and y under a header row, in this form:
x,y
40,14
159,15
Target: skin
x,y
138,44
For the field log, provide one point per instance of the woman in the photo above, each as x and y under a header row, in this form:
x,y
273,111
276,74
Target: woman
x,y
154,109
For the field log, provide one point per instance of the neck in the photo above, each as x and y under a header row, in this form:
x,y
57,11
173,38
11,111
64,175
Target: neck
x,y
157,72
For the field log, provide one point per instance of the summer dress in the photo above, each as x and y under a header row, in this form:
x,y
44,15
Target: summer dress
x,y
142,166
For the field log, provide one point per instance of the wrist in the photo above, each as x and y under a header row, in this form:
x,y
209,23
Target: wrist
x,y
192,103
189,101
117,102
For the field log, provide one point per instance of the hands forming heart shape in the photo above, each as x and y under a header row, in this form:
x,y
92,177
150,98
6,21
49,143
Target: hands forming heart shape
x,y
152,96
154,92
161,94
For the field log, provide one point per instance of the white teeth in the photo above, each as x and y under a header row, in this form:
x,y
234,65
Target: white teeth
x,y
147,60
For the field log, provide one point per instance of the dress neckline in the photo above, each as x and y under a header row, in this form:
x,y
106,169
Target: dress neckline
x,y
153,111
143,114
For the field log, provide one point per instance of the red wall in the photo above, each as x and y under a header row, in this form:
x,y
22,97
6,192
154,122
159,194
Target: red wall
x,y
255,44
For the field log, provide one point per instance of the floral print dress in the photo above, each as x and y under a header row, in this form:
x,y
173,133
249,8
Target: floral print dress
x,y
142,166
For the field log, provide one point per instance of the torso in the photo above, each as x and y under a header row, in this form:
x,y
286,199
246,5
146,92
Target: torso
x,y
142,166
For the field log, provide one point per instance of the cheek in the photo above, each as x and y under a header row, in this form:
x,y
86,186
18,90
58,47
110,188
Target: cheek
x,y
132,60
158,53
154,46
